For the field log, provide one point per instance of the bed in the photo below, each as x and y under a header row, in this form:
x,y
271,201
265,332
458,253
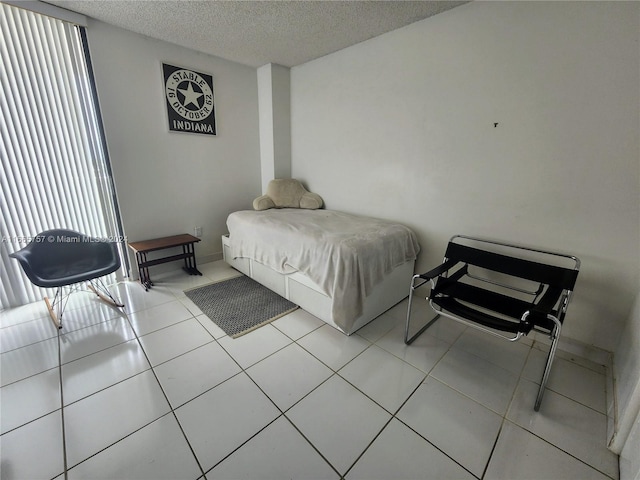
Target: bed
x,y
345,269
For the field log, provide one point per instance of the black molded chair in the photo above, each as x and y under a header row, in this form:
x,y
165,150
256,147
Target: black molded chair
x,y
503,289
60,258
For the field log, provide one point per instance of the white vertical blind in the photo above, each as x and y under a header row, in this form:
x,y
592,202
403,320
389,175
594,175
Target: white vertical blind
x,y
54,170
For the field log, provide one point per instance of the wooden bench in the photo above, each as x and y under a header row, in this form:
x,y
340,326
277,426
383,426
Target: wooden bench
x,y
144,247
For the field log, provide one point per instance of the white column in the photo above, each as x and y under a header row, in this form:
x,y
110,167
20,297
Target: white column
x,y
274,105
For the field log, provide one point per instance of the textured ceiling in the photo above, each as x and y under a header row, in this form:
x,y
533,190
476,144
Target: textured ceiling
x,y
255,33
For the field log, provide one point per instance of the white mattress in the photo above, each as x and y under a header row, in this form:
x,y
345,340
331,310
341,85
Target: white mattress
x,y
345,255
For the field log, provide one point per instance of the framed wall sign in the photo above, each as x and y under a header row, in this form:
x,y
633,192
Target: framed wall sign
x,y
189,97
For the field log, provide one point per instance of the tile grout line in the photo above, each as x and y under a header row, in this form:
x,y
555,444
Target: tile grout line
x,y
557,447
64,436
422,382
164,393
283,414
151,368
507,420
420,435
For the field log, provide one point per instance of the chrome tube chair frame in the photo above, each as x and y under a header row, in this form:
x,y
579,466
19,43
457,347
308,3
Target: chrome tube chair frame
x,y
62,259
500,298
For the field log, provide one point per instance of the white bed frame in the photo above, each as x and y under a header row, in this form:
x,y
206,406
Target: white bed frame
x,y
301,290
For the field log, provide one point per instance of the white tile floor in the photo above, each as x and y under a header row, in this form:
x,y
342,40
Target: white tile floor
x,y
161,392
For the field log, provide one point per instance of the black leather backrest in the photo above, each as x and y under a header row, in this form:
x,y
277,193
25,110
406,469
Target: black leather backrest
x,y
518,267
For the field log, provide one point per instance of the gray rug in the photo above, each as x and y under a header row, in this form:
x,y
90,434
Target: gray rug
x,y
239,305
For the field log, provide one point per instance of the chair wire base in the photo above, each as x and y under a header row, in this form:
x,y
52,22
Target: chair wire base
x,y
57,306
98,287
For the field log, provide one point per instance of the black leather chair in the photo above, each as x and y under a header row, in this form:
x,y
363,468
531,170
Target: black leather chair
x,y
503,289
60,258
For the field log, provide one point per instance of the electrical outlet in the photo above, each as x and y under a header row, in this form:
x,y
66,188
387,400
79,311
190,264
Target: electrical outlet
x,y
198,232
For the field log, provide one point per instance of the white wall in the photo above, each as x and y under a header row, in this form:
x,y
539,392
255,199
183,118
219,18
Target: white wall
x,y
629,459
626,440
403,127
168,183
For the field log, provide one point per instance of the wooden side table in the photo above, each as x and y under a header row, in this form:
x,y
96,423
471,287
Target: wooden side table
x,y
143,247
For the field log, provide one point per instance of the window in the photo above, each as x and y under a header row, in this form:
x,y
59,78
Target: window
x,y
55,169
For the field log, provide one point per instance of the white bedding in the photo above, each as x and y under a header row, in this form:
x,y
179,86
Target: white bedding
x,y
346,255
